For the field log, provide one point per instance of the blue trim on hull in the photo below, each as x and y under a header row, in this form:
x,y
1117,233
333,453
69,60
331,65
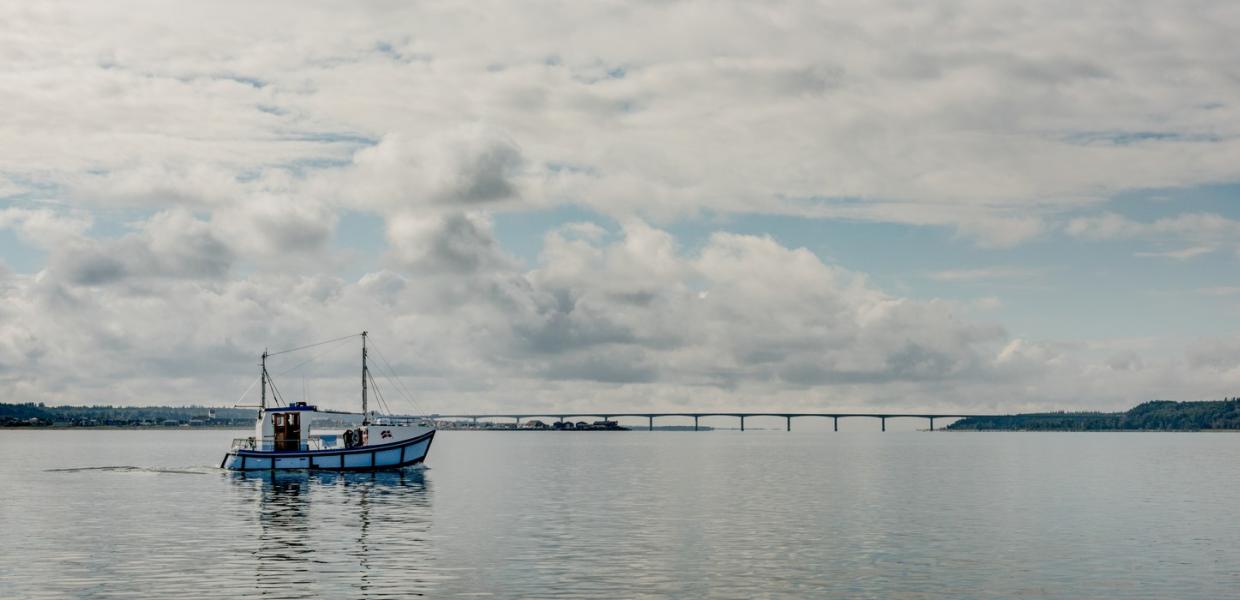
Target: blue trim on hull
x,y
272,457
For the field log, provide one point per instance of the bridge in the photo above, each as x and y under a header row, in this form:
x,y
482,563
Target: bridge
x,y
650,416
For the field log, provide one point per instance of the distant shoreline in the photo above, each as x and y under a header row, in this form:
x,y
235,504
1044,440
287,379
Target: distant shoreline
x,y
1237,430
125,427
1157,415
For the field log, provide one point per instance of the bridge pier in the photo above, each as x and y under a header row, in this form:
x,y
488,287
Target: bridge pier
x,y
931,423
475,422
884,420
742,422
836,423
789,422
518,421
650,427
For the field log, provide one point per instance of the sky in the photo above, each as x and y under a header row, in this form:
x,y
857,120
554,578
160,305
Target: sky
x,y
957,206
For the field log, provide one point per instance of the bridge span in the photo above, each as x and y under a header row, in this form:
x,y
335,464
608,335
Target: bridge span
x,y
650,416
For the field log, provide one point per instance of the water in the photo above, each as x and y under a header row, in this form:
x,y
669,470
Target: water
x,y
144,514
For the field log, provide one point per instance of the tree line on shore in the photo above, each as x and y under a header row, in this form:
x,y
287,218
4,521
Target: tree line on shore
x,y
40,415
1157,415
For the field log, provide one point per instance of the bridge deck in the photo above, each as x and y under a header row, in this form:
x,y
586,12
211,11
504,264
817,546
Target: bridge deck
x,y
527,415
834,416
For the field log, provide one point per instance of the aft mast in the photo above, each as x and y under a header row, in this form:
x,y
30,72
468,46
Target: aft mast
x,y
365,375
263,404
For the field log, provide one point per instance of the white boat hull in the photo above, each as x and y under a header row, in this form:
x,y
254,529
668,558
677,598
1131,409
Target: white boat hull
x,y
392,455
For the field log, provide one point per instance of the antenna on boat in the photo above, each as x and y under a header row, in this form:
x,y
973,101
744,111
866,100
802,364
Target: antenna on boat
x,y
365,375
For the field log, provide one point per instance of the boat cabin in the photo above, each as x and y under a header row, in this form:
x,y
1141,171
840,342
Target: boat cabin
x,y
286,428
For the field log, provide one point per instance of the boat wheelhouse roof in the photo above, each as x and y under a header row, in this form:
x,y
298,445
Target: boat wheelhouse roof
x,y
293,406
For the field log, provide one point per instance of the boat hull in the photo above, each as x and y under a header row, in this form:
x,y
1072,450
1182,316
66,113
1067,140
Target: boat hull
x,y
395,455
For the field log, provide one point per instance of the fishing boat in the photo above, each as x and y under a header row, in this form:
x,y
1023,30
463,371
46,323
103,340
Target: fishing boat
x,y
284,439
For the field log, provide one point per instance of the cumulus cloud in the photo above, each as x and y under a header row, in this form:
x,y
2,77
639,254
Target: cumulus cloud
x,y
468,166
626,319
276,229
170,245
742,311
235,137
454,243
45,227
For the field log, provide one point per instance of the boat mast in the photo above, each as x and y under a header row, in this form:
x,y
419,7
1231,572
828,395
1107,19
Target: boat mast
x,y
263,404
365,374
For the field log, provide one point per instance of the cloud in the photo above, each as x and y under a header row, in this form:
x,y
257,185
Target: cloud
x,y
1203,232
447,243
1201,226
961,118
464,167
983,274
233,138
171,244
1217,354
44,227
1219,291
1181,254
624,319
636,310
1001,232
276,230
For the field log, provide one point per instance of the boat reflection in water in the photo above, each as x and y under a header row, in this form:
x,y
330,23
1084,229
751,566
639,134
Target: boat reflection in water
x,y
345,535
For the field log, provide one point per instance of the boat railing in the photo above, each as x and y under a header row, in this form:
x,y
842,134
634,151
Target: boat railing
x,y
323,442
244,444
266,443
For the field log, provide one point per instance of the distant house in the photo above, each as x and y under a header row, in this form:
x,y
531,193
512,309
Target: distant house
x,y
582,425
534,424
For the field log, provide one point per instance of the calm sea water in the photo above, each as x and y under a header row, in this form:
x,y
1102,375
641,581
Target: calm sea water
x,y
145,514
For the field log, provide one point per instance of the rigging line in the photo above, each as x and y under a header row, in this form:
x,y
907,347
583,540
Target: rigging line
x,y
387,408
379,395
386,370
275,392
396,382
269,354
321,354
399,382
247,390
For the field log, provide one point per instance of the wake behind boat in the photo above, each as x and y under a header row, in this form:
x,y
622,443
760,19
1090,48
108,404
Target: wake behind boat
x,y
285,437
